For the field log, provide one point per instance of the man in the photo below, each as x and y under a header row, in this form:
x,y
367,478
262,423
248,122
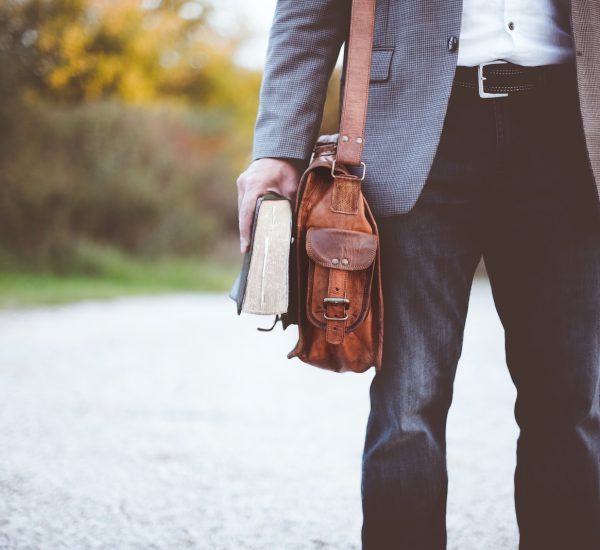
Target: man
x,y
502,164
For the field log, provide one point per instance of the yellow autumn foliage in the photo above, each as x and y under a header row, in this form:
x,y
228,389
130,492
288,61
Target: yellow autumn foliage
x,y
82,50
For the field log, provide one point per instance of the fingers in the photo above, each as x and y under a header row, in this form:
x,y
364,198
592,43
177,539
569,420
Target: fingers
x,y
246,215
262,175
241,187
249,189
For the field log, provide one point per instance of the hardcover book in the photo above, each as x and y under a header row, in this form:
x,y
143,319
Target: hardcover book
x,y
262,286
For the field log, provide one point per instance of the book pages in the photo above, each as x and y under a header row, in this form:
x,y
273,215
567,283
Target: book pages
x,y
267,287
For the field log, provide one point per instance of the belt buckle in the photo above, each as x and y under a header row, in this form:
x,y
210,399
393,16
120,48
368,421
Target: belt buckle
x,y
481,78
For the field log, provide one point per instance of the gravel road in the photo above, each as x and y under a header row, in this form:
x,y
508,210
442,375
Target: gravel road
x,y
170,423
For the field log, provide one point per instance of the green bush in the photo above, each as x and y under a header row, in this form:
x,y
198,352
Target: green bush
x,y
148,180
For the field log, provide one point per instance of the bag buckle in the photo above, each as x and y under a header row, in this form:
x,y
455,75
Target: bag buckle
x,y
334,300
481,78
364,171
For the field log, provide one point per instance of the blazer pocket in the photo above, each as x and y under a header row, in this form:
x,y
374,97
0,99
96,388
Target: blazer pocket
x,y
381,61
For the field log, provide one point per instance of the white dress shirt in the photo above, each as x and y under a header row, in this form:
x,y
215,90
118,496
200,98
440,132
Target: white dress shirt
x,y
526,32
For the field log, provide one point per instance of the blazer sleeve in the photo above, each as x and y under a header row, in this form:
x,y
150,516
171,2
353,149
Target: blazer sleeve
x,y
304,44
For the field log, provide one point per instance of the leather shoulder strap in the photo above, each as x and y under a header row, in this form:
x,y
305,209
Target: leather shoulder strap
x,y
356,90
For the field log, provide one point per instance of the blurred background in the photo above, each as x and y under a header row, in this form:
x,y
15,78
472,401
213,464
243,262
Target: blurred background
x,y
164,420
124,125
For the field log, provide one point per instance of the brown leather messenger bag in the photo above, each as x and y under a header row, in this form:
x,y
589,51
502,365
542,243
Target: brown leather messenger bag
x,y
335,279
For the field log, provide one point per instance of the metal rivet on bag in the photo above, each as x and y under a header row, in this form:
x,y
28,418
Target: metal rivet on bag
x,y
345,261
335,261
345,138
359,140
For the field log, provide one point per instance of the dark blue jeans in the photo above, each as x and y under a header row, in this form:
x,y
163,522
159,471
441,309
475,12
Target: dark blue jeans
x,y
510,182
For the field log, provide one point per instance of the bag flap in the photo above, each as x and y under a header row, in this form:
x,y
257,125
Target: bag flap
x,y
341,248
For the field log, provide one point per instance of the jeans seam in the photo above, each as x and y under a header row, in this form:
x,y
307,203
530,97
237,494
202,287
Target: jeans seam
x,y
500,135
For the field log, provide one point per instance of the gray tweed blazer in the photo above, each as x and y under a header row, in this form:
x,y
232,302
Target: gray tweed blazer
x,y
411,79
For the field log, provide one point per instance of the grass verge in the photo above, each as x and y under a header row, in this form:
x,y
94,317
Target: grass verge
x,y
130,277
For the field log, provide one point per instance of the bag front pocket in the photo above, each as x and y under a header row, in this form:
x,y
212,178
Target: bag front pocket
x,y
340,275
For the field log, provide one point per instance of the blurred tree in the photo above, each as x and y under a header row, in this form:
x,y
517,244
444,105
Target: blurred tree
x,y
88,149
80,50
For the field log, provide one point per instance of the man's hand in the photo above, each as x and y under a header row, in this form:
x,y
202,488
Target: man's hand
x,y
263,175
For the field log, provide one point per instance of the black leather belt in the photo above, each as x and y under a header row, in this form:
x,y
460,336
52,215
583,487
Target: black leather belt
x,y
501,78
